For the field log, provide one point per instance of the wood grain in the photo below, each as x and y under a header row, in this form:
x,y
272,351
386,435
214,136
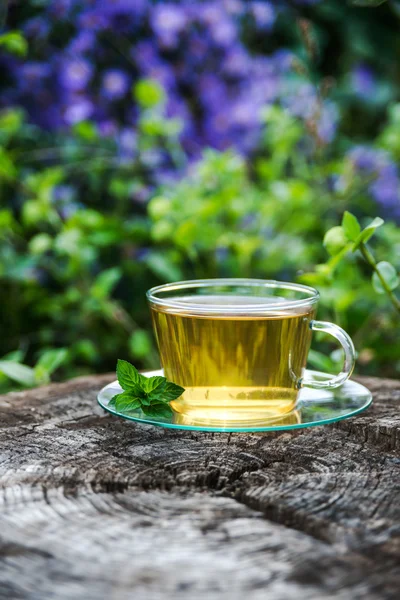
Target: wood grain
x,y
96,507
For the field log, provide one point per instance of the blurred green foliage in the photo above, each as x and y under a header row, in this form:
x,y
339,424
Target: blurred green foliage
x,y
73,276
80,243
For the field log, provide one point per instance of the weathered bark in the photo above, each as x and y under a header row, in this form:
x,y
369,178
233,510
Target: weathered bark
x,y
96,507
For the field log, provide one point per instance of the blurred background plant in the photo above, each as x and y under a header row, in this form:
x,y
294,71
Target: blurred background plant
x,y
144,142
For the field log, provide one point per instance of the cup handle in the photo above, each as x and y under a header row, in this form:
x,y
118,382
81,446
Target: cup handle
x,y
349,357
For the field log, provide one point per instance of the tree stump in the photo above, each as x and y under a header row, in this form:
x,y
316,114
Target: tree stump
x,y
96,507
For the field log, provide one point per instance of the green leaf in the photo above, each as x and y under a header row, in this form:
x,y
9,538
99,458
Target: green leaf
x,y
351,226
40,244
153,385
162,266
15,356
172,391
86,130
335,240
105,282
158,410
146,392
148,93
319,361
146,400
125,401
11,121
128,376
8,170
140,344
14,43
52,359
388,274
17,372
159,207
368,232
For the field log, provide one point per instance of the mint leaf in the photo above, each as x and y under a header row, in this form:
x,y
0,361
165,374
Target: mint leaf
x,y
125,401
157,410
128,376
151,394
153,384
146,400
171,391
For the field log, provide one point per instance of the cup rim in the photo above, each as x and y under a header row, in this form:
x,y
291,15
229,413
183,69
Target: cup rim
x,y
311,296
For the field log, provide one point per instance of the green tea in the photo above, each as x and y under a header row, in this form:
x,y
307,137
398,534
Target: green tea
x,y
234,367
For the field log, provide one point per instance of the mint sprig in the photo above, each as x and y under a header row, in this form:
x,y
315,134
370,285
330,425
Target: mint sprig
x,y
151,394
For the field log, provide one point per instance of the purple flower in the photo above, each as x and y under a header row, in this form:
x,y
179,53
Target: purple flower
x,y
385,188
244,112
216,131
78,109
152,158
75,74
222,28
62,193
142,195
178,108
152,65
107,128
363,80
83,42
32,74
60,9
126,142
365,159
121,7
264,15
36,28
92,19
237,62
122,16
212,90
167,176
302,101
115,84
234,7
168,21
283,59
327,123
144,54
198,48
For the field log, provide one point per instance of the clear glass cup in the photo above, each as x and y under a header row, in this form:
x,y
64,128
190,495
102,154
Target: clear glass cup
x,y
239,346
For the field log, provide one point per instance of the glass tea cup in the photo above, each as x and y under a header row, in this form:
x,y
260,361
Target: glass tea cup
x,y
239,346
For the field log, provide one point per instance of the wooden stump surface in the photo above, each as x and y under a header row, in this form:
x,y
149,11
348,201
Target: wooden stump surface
x,y
96,507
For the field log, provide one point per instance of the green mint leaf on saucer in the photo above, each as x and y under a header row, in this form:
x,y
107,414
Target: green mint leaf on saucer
x,y
125,401
157,410
172,391
153,384
128,376
151,394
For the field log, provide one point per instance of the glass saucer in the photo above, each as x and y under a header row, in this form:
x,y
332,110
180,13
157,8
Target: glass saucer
x,y
314,407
